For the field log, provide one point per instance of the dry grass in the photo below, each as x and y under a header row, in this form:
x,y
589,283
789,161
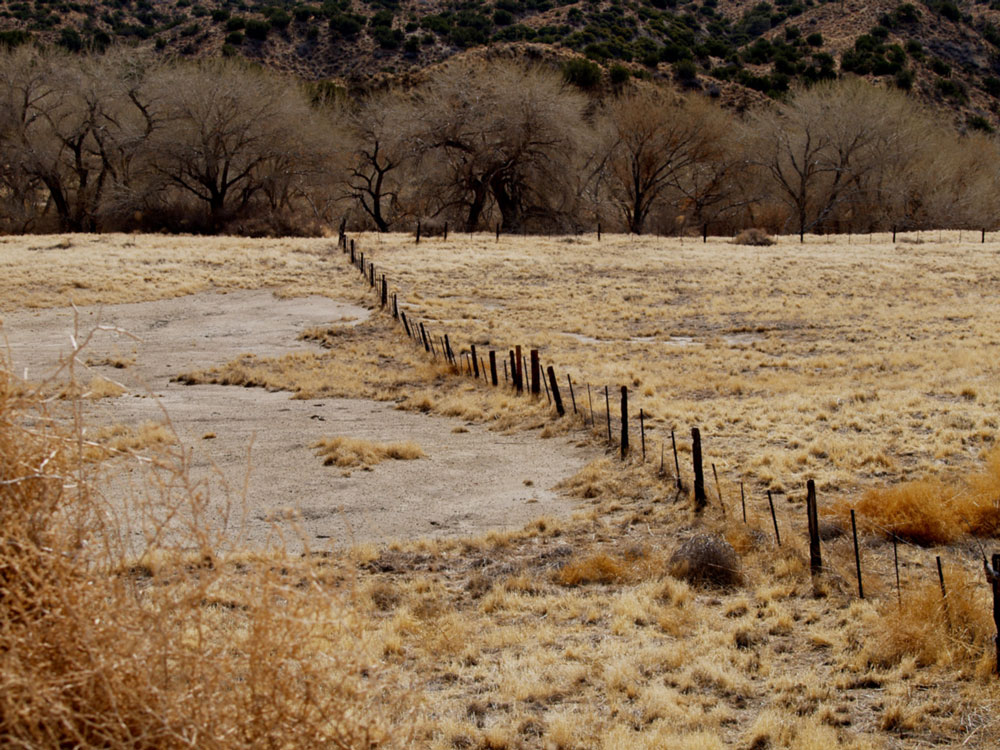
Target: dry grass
x,y
96,651
936,511
852,364
345,451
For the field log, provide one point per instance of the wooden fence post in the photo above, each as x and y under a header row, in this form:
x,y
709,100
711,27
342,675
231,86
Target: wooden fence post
x,y
555,392
624,445
423,334
571,394
590,401
548,398
520,369
475,362
995,581
642,433
493,368
353,260
418,232
677,463
718,490
385,291
774,518
395,307
857,555
402,316
444,238
743,502
944,593
607,411
498,231
700,498
815,556
598,231
536,387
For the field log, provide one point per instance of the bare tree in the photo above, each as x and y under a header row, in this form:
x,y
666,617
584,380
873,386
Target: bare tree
x,y
500,135
377,131
656,144
822,148
230,134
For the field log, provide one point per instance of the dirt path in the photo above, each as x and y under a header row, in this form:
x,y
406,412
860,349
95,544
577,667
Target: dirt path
x,y
470,481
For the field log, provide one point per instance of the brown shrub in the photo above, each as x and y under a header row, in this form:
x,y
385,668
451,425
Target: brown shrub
x,y
755,237
706,559
600,568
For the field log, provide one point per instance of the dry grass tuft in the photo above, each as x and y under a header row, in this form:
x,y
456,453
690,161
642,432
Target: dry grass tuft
x,y
599,568
344,451
956,630
934,511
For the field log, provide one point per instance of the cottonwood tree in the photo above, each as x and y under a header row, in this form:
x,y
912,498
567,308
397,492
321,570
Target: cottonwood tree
x,y
377,132
67,130
820,149
500,135
230,133
656,144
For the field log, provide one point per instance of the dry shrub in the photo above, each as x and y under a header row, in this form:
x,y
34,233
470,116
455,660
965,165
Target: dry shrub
x,y
956,630
755,237
98,652
706,559
935,512
344,451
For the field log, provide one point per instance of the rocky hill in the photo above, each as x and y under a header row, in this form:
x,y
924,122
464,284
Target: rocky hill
x,y
945,52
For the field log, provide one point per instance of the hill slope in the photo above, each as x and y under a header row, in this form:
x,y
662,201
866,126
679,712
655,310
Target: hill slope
x,y
947,52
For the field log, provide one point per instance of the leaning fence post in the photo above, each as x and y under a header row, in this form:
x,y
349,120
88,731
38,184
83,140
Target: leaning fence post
x,y
774,518
857,555
700,498
743,502
677,463
571,394
555,391
815,557
995,581
718,490
944,593
624,445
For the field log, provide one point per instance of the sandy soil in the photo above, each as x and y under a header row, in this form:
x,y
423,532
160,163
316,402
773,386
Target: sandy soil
x,y
469,482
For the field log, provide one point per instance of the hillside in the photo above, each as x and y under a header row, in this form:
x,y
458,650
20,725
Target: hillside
x,y
946,52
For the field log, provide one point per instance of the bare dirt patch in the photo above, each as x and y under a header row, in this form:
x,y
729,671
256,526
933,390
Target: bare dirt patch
x,y
470,481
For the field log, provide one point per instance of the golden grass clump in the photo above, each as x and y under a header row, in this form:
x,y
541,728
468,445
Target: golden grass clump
x,y
345,451
99,651
956,630
935,511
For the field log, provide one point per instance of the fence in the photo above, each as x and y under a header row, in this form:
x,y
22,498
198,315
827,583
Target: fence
x,y
524,372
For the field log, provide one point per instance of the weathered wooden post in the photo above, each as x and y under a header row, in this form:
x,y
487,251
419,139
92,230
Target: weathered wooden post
x,y
475,362
555,392
774,518
536,387
700,498
857,554
493,368
815,557
418,232
520,368
624,443
571,394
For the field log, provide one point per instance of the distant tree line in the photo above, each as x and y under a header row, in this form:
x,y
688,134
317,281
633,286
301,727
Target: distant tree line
x,y
122,142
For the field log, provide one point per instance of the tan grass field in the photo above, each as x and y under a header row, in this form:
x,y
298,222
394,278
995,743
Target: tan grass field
x,y
858,365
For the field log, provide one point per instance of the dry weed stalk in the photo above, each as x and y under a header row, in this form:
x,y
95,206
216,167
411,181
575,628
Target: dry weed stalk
x,y
179,650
